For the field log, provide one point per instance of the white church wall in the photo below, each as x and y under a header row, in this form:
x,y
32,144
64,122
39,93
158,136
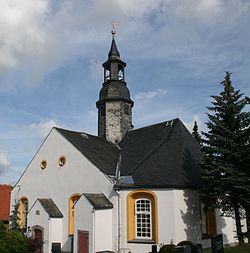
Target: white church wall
x,y
55,230
39,217
187,216
59,183
166,222
227,227
84,221
178,211
103,230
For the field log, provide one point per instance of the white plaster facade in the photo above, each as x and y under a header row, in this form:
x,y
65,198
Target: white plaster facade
x,y
178,210
178,218
99,224
226,227
59,183
42,220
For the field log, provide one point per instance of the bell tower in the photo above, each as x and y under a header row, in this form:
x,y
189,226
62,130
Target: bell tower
x,y
114,104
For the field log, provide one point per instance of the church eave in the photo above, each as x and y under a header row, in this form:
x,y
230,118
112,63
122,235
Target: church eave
x,y
107,63
103,101
147,186
114,81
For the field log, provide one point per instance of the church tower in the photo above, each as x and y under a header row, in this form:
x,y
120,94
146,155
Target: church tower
x,y
114,104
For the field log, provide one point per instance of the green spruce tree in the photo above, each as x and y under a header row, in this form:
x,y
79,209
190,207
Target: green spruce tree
x,y
226,147
14,217
195,133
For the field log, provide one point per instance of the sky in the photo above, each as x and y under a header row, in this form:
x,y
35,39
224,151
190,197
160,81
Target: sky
x,y
51,51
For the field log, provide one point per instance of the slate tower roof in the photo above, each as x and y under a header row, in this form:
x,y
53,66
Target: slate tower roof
x,y
113,52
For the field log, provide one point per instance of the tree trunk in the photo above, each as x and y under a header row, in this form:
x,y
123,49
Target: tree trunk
x,y
247,209
238,224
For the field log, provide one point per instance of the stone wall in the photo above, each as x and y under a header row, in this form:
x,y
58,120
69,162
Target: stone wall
x,y
118,120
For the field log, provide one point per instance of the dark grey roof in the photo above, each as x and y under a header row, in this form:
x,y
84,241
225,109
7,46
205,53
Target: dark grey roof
x,y
115,90
99,151
161,155
98,201
164,154
51,208
113,52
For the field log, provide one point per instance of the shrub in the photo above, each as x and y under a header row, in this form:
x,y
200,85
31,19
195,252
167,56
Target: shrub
x,y
167,248
12,242
2,227
182,243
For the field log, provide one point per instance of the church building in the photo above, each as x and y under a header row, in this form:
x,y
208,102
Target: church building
x,y
121,191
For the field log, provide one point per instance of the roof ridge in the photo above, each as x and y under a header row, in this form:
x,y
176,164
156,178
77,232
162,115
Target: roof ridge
x,y
68,130
132,130
168,135
91,135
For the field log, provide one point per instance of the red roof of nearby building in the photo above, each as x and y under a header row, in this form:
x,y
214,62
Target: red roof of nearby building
x,y
5,191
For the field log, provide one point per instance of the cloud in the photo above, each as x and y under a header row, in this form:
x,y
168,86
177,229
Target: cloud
x,y
20,31
190,124
148,96
96,71
4,163
43,128
147,110
37,37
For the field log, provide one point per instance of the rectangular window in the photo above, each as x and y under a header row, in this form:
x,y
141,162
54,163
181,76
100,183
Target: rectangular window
x,y
208,222
143,218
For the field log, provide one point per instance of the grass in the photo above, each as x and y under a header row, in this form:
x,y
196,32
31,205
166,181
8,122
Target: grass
x,y
237,249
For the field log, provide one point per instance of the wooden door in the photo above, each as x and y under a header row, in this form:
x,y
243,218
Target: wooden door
x,y
83,241
39,240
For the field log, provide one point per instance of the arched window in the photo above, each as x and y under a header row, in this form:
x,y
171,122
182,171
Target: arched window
x,y
106,75
142,217
121,75
23,212
73,199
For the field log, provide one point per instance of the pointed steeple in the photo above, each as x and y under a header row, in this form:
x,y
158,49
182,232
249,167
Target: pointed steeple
x,y
113,52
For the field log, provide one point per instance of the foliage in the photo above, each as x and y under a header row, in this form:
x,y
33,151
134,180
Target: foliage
x,y
34,244
195,133
182,243
166,248
2,227
226,147
14,217
12,241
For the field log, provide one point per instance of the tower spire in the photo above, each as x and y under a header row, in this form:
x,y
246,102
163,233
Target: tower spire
x,y
114,104
113,52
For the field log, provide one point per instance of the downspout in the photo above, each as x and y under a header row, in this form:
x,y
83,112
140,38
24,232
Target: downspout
x,y
93,242
117,180
119,221
50,234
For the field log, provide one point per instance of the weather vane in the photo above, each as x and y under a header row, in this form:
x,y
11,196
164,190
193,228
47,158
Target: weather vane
x,y
113,32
